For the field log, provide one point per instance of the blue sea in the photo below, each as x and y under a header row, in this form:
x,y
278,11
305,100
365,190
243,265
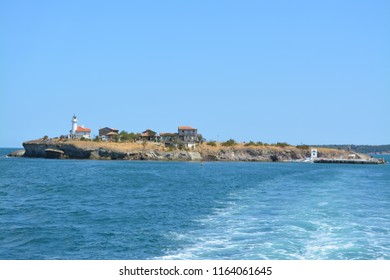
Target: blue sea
x,y
84,209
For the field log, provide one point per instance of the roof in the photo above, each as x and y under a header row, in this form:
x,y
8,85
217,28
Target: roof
x,y
186,128
145,134
110,128
112,133
148,134
83,129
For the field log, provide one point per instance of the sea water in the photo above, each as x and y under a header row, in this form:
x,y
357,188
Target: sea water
x,y
84,209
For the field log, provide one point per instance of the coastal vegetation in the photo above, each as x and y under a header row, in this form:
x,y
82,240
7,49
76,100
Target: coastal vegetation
x,y
128,136
253,144
211,143
229,143
303,147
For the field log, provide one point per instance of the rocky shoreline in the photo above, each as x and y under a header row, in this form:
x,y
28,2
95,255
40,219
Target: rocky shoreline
x,y
103,151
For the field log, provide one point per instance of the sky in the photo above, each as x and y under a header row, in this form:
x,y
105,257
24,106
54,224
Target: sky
x,y
301,72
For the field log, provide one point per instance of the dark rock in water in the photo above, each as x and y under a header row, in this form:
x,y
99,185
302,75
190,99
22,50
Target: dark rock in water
x,y
274,158
18,153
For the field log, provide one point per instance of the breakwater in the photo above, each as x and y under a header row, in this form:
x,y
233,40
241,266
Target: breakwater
x,y
349,161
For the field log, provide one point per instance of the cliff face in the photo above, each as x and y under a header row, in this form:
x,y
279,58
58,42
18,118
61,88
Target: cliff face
x,y
78,150
232,154
38,149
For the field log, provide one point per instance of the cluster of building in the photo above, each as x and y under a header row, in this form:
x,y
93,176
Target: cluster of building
x,y
186,135
79,131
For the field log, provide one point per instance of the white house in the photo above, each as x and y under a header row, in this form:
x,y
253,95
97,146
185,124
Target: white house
x,y
79,132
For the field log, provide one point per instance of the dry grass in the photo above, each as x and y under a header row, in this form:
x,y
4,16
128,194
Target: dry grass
x,y
131,146
157,146
120,147
238,146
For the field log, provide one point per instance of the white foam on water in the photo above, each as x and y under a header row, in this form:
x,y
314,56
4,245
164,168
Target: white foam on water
x,y
214,236
320,229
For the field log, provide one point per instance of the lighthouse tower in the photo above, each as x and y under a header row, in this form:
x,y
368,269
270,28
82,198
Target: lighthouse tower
x,y
74,125
314,153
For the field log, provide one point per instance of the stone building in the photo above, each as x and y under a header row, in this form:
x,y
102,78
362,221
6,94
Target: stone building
x,y
188,135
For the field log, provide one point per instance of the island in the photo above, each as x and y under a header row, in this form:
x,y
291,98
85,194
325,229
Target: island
x,y
214,151
184,145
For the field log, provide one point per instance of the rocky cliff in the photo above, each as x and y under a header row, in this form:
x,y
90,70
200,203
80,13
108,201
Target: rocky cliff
x,y
114,151
73,151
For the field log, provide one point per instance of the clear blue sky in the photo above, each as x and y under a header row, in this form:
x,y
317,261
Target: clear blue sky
x,y
313,72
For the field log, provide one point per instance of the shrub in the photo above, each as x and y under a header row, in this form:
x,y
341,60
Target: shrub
x,y
180,145
303,147
258,143
229,143
212,143
251,143
281,144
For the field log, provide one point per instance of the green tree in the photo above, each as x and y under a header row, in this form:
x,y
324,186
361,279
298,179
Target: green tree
x,y
129,136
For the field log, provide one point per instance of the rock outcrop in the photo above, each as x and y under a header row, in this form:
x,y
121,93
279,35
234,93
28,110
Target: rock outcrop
x,y
18,153
39,149
252,154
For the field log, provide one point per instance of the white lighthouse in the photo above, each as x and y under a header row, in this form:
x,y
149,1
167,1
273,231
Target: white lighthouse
x,y
79,132
74,125
314,153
